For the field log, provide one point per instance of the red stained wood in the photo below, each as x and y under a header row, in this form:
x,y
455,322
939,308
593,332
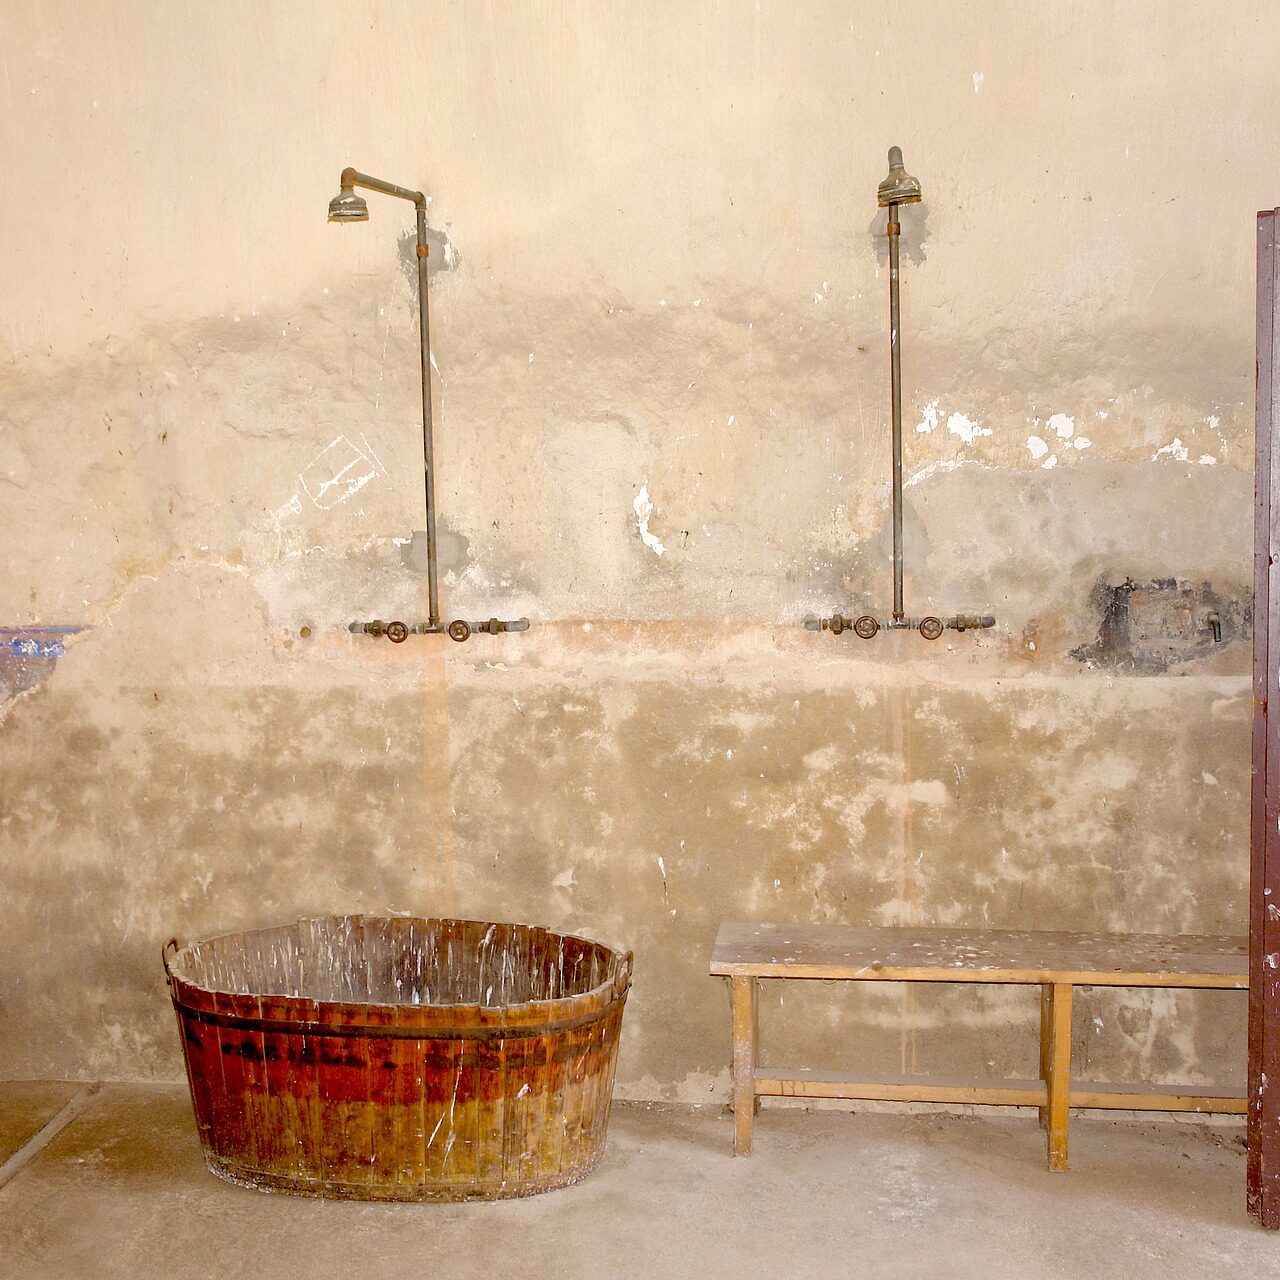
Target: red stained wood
x,y
1263,1177
357,1057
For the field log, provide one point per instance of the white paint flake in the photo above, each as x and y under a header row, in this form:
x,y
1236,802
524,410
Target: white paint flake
x,y
1207,460
978,79
959,424
1083,442
930,419
644,509
943,464
1063,424
966,428
1037,447
1049,463
1175,449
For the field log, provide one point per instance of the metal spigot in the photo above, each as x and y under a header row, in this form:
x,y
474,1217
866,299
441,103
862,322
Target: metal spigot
x,y
396,632
496,626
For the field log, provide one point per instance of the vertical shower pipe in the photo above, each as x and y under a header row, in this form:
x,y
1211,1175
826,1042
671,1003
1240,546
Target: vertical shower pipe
x,y
896,189
895,392
428,447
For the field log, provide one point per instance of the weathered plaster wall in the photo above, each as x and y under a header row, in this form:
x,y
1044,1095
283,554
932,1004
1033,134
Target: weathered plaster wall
x,y
659,322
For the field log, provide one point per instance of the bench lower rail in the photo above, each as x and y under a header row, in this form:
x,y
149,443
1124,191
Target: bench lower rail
x,y
772,1083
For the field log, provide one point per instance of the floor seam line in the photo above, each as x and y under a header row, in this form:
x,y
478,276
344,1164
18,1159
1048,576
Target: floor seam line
x,y
43,1136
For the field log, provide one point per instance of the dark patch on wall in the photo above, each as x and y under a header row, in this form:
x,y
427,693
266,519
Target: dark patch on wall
x,y
1150,627
442,255
914,221
452,550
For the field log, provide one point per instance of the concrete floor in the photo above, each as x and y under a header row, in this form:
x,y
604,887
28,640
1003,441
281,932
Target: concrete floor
x,y
122,1191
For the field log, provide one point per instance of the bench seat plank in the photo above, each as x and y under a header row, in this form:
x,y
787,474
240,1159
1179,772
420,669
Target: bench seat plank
x,y
979,955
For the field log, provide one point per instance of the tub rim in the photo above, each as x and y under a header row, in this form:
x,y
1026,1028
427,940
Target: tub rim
x,y
277,1014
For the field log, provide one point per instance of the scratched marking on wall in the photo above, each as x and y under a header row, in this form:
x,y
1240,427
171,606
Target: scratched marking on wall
x,y
29,654
339,472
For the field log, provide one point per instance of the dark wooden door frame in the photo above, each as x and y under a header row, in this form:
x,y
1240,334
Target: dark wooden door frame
x,y
1264,879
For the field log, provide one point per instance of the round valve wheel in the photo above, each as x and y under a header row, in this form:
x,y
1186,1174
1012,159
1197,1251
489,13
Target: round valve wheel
x,y
866,626
931,628
397,632
459,630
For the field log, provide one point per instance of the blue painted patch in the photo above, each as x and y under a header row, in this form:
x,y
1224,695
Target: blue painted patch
x,y
28,654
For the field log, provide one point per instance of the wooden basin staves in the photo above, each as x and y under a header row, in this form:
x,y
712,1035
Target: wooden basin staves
x,y
361,1057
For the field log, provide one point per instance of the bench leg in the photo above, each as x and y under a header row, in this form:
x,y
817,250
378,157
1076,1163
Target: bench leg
x,y
1046,1016
745,1040
1059,1073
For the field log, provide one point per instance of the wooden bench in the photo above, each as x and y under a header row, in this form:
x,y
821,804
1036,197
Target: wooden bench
x,y
1055,962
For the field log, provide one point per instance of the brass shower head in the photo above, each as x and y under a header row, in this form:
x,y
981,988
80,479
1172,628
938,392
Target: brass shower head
x,y
346,206
899,187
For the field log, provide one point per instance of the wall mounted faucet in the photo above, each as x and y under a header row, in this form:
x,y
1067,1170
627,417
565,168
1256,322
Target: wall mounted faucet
x,y
897,189
348,206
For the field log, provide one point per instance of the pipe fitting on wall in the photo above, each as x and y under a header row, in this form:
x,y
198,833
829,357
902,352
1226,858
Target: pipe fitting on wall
x,y
867,627
459,629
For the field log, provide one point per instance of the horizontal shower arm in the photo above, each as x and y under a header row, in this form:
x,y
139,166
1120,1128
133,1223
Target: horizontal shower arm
x,y
354,178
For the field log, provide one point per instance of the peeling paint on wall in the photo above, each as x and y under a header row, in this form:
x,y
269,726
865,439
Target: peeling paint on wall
x,y
644,509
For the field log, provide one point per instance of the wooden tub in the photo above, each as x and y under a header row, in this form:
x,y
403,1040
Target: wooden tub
x,y
371,1058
